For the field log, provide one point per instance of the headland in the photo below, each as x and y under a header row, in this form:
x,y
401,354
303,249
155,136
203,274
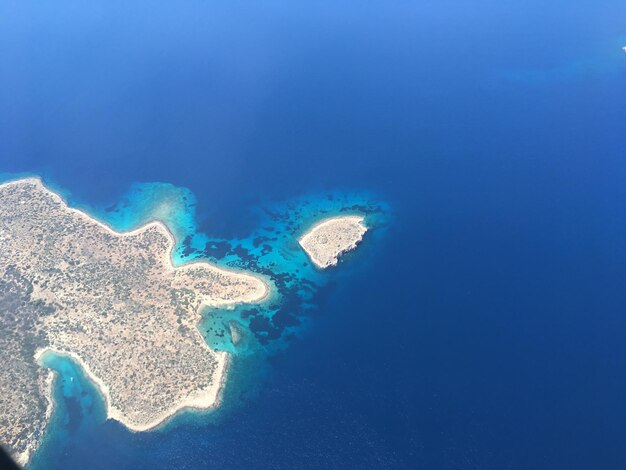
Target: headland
x,y
114,303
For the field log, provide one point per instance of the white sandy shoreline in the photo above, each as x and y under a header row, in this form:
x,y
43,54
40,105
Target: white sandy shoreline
x,y
204,399
327,221
161,225
325,241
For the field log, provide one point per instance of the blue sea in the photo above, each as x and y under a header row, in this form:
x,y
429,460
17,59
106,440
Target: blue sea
x,y
481,324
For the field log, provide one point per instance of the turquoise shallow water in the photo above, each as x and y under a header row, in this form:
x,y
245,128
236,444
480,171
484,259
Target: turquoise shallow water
x,y
485,328
78,405
271,251
251,333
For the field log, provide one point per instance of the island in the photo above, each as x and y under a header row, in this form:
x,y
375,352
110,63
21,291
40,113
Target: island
x,y
113,302
327,240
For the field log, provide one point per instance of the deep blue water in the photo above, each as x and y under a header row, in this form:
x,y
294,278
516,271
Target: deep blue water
x,y
486,329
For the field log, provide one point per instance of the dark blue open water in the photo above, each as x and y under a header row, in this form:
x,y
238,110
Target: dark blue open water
x,y
485,328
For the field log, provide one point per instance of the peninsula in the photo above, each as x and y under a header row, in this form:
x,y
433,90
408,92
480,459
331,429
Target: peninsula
x,y
113,302
327,240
